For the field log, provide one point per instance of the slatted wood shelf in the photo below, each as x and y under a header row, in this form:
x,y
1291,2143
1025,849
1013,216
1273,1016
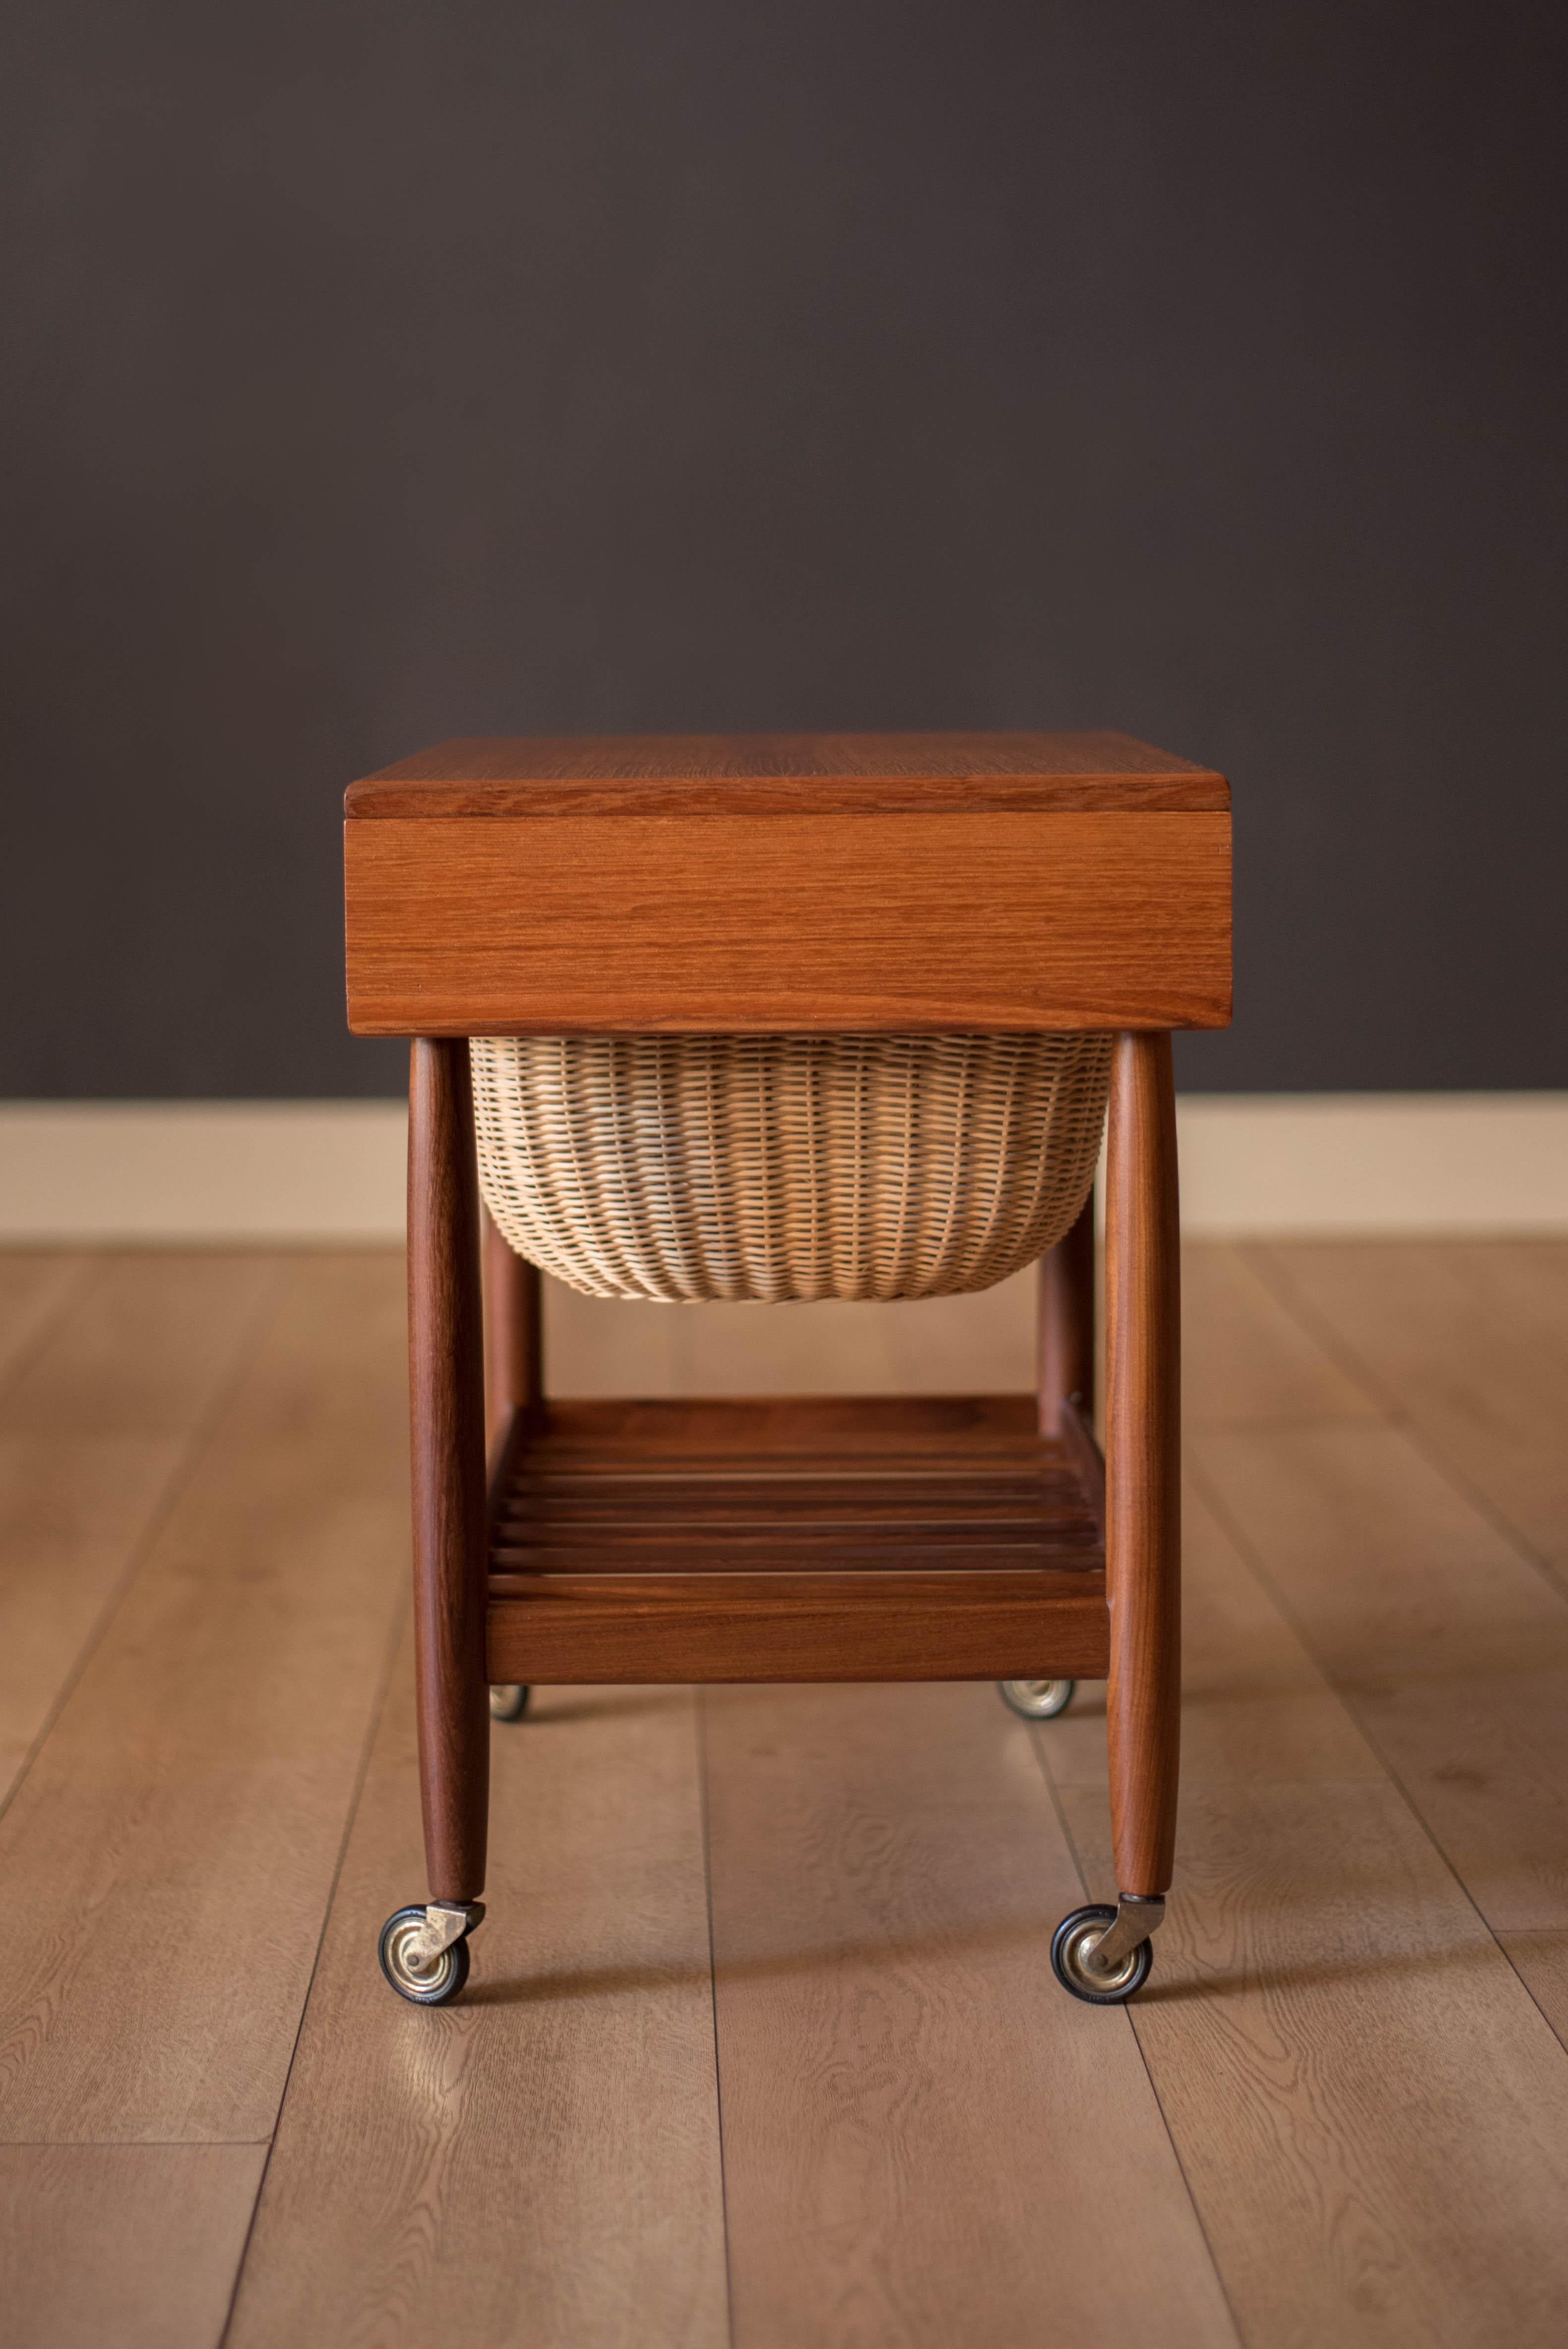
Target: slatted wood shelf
x,y
803,1538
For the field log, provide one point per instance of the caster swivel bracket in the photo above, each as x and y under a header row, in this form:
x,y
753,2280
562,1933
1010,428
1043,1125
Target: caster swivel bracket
x,y
1138,1916
446,1921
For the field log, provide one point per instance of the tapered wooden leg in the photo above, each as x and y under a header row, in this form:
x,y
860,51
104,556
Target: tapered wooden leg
x,y
446,1401
1067,1323
514,1353
1143,1492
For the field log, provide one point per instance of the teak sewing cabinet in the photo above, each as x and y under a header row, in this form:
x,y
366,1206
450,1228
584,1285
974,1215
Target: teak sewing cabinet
x,y
798,885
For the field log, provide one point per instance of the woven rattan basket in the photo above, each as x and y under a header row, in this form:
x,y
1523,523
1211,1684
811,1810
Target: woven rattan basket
x,y
778,1168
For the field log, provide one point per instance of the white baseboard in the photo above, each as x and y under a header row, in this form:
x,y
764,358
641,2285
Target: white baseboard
x,y
1342,1165
202,1170
1251,1165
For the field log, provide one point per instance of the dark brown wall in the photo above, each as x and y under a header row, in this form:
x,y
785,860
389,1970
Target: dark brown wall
x,y
380,372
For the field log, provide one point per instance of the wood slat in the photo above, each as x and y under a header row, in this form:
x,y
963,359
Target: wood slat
x,y
1025,1511
997,1468
1020,1528
872,1499
772,1467
786,1548
174,1841
725,1565
926,2142
860,1429
799,1626
539,2165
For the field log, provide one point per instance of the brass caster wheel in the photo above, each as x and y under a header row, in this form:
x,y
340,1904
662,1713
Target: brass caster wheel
x,y
1074,1946
1037,1700
424,1952
508,1701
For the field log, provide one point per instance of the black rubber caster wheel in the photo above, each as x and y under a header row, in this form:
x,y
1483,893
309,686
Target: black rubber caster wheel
x,y
1077,1934
433,1985
1037,1700
508,1701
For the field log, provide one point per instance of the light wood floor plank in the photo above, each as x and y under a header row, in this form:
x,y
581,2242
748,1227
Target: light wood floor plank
x,y
1449,1647
1370,2111
1534,1273
926,2142
1541,1961
72,1511
1471,1343
174,1841
539,2163
1245,1358
1359,2096
123,2246
124,1371
34,1289
143,1343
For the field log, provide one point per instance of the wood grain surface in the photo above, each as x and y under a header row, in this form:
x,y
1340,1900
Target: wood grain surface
x,y
1384,1562
1449,1647
173,1842
73,1512
540,2165
1321,1953
799,1627
703,773
1468,1344
88,1457
997,919
1541,1961
1247,1358
1067,1324
890,1538
123,2246
925,2141
1367,2105
1143,1462
922,2139
514,1334
447,1412
178,1316
32,1291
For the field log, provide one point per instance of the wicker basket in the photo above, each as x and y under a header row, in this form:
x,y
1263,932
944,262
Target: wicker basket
x,y
778,1168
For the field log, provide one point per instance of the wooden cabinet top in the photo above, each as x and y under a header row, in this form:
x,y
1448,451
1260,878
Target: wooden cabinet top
x,y
788,883
789,774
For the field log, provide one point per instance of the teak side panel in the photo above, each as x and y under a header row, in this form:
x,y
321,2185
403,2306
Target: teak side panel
x,y
995,920
799,1627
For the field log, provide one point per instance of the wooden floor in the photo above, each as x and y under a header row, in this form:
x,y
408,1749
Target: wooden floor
x,y
762,2045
